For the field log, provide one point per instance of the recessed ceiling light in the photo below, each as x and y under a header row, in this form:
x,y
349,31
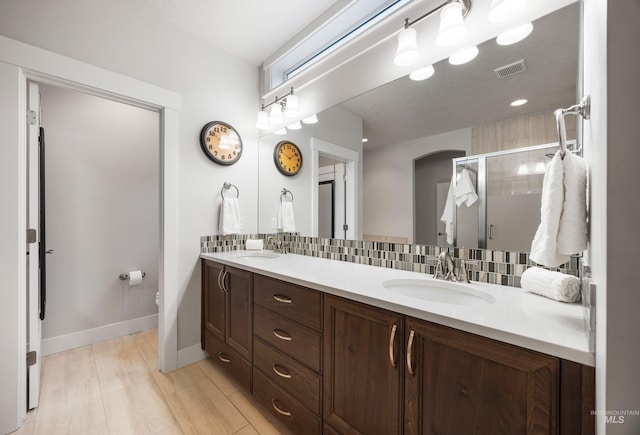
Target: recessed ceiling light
x,y
515,35
463,56
519,102
422,73
364,139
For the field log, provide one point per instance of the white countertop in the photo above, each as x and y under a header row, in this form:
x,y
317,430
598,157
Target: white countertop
x,y
516,317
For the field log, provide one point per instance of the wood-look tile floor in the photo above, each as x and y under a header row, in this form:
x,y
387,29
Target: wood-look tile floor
x,y
114,387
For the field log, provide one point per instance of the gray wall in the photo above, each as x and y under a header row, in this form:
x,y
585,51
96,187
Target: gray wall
x,y
102,204
430,170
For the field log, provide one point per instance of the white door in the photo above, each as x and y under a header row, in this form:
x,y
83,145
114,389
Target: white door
x,y
35,303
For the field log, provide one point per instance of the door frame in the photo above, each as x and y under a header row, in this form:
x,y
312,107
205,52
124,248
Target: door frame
x,y
43,66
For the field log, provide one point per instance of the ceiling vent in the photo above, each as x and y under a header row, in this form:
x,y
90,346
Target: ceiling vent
x,y
511,69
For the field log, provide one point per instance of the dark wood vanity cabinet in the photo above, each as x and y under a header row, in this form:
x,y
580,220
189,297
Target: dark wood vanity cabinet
x,y
458,383
363,357
227,319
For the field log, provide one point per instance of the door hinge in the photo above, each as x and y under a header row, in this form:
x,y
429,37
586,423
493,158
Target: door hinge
x,y
32,358
32,117
32,236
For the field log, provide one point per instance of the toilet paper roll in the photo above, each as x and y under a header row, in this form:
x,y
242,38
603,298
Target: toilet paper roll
x,y
135,277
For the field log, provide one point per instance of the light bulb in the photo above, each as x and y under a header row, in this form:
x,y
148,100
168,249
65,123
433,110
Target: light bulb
x,y
292,109
275,115
422,73
515,35
263,120
407,53
463,56
313,119
452,28
503,10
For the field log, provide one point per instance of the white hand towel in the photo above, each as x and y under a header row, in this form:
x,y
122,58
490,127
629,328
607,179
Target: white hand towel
x,y
554,285
465,193
572,233
544,249
447,216
286,218
230,221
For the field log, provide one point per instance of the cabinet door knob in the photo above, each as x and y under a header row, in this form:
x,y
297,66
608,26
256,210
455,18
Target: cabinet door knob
x,y
392,340
279,372
280,411
283,299
409,350
282,335
223,357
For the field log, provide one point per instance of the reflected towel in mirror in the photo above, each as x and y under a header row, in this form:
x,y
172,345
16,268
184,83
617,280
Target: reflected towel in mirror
x,y
465,193
447,215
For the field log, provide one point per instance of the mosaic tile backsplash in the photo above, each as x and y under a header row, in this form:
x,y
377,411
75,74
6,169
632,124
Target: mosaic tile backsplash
x,y
484,265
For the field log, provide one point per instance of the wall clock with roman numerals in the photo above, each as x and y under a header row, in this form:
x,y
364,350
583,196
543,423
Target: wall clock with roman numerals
x,y
287,157
221,143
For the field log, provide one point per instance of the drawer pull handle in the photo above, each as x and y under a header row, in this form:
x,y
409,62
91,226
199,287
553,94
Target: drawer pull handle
x,y
409,349
223,357
280,411
282,335
276,369
392,340
283,299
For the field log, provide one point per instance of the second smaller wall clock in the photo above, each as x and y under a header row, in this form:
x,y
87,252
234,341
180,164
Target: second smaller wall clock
x,y
221,143
287,157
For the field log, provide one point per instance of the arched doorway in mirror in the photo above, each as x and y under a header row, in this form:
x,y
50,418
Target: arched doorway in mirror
x,y
431,178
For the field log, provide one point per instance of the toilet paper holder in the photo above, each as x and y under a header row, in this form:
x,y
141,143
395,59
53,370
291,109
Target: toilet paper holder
x,y
125,276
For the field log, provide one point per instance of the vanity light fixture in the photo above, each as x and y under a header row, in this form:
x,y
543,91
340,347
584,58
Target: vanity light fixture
x,y
281,131
514,35
503,10
519,102
452,29
463,55
285,106
295,126
422,73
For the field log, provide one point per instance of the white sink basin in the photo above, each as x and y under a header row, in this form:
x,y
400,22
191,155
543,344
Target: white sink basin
x,y
439,291
261,255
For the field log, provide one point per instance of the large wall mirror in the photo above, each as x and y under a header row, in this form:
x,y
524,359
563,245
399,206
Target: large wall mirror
x,y
391,187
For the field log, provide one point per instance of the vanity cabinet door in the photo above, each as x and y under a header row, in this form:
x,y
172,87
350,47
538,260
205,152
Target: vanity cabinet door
x,y
213,301
362,368
458,383
238,285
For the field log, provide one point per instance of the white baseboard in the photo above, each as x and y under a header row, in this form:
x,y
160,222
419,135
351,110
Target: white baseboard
x,y
89,336
190,354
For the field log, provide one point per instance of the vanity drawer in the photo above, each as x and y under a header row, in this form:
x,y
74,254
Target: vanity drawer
x,y
297,341
296,379
294,302
228,360
288,410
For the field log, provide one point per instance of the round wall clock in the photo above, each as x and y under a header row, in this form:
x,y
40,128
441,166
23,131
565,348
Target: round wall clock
x,y
221,143
287,157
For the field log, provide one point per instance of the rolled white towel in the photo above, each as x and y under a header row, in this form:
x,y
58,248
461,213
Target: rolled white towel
x,y
254,244
554,285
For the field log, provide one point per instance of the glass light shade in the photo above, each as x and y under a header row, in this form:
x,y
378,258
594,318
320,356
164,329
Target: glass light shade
x,y
523,170
452,28
540,167
463,56
422,73
280,132
295,126
503,10
515,35
313,119
263,120
292,108
407,53
275,114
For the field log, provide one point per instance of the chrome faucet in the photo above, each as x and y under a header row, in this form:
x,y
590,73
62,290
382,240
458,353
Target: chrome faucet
x,y
280,247
446,269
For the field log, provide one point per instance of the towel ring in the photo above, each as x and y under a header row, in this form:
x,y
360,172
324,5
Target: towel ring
x,y
283,193
583,109
227,186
